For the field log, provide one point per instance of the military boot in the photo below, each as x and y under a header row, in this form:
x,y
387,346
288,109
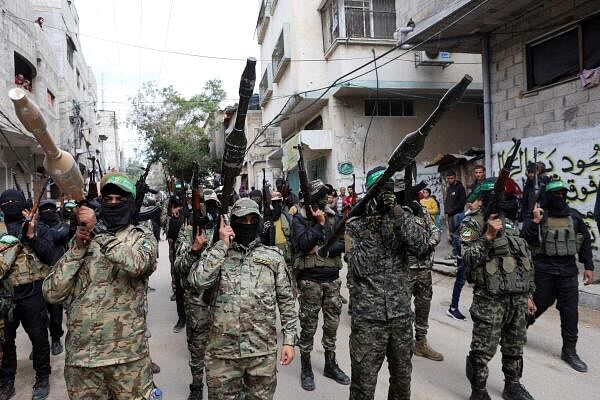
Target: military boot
x,y
7,390
422,349
195,392
569,355
513,390
41,388
478,382
333,371
307,378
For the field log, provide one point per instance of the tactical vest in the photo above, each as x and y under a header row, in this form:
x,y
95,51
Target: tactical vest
x,y
7,303
316,261
508,268
559,237
286,247
25,266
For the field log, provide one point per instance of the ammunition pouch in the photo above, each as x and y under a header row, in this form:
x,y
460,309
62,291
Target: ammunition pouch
x,y
316,261
559,237
508,268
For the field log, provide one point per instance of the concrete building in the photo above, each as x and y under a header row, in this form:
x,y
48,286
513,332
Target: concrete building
x,y
40,50
310,44
541,75
108,135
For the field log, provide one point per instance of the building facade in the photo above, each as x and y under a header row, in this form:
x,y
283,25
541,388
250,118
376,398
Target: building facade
x,y
541,72
40,51
354,125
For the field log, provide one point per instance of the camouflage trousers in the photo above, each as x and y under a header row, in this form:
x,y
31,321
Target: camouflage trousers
x,y
250,378
197,326
129,381
370,343
497,319
421,289
316,296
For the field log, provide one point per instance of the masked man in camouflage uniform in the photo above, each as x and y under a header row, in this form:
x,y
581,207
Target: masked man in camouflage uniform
x,y
197,312
249,281
21,261
380,295
318,284
498,262
102,282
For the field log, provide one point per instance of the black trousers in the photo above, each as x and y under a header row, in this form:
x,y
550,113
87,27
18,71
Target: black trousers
x,y
55,311
564,290
30,310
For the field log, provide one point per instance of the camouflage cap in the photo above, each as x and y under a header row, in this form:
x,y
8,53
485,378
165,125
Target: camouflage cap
x,y
275,196
119,179
243,207
210,194
556,184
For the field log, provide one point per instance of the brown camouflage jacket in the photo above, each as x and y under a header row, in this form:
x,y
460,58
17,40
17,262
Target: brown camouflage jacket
x,y
103,288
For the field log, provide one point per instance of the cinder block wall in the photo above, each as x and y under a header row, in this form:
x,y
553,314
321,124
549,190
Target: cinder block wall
x,y
517,113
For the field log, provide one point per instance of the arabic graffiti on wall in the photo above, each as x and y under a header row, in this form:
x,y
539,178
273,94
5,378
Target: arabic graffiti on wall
x,y
574,156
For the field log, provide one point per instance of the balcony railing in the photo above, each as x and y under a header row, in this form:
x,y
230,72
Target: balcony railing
x,y
264,16
265,87
364,19
281,55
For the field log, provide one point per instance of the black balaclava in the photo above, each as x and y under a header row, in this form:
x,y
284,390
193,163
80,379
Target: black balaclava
x,y
49,216
13,211
555,204
277,207
244,233
119,215
509,206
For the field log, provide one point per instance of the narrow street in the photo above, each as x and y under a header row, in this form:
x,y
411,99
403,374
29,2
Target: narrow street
x,y
545,375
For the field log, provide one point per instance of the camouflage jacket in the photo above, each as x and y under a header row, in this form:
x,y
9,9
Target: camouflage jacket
x,y
103,288
252,282
185,257
22,264
377,260
426,260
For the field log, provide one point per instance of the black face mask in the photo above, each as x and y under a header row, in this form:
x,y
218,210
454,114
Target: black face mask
x,y
244,233
13,211
556,205
276,210
117,216
509,208
50,218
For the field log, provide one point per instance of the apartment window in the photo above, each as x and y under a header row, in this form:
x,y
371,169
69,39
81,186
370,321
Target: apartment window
x,y
70,50
265,87
264,16
389,108
50,99
281,56
24,72
361,19
563,55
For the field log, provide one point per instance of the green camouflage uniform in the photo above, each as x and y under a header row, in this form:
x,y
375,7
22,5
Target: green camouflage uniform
x,y
242,344
420,277
196,311
502,272
103,289
380,298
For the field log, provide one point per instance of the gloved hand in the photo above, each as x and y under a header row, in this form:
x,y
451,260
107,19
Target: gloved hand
x,y
389,200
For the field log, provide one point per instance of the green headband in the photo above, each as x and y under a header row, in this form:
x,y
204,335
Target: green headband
x,y
556,184
122,183
485,186
371,179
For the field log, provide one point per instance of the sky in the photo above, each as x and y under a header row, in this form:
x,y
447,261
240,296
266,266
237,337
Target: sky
x,y
223,28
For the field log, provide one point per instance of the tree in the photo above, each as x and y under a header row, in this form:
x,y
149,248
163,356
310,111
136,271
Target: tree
x,y
171,126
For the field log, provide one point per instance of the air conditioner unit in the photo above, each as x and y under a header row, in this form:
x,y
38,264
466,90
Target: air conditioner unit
x,y
433,58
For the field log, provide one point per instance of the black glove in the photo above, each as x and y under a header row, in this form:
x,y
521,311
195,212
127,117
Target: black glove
x,y
416,208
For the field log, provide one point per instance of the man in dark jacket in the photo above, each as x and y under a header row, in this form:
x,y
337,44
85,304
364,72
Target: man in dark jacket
x,y
456,198
175,222
557,233
318,283
56,233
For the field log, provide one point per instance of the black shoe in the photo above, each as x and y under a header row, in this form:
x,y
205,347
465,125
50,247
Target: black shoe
x,y
456,314
173,297
195,392
41,388
307,378
179,326
571,358
333,371
56,348
513,390
154,367
479,394
344,300
7,390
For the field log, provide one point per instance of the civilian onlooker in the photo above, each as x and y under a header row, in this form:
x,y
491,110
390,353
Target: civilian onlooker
x,y
431,204
340,199
350,200
479,176
456,198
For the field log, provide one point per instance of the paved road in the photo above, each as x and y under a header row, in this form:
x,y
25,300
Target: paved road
x,y
545,375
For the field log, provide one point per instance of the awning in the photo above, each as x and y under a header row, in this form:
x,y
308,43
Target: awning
x,y
314,140
461,23
444,161
369,89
